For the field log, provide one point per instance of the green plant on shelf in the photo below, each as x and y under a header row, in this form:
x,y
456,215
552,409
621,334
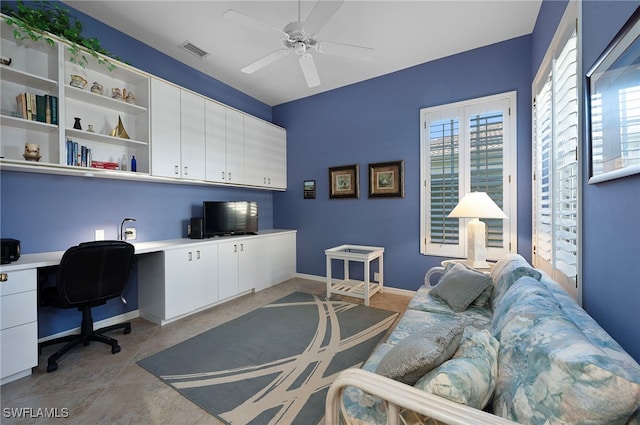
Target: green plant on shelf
x,y
38,19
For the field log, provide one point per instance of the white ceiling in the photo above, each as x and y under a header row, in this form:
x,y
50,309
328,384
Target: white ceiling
x,y
403,33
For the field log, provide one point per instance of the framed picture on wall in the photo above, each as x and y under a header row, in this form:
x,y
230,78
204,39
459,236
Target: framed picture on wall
x,y
344,182
386,180
613,115
309,189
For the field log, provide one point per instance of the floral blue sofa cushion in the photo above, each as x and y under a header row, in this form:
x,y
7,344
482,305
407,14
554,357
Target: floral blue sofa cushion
x,y
507,270
550,370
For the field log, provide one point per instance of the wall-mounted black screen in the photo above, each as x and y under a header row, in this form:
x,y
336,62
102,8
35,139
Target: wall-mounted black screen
x,y
229,218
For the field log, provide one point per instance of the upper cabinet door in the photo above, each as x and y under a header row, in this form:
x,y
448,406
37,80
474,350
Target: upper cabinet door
x,y
264,154
215,150
165,129
236,167
192,136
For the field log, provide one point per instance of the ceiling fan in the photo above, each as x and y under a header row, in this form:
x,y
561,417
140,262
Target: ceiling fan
x,y
300,37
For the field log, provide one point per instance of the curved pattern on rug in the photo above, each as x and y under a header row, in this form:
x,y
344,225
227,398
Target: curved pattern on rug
x,y
273,365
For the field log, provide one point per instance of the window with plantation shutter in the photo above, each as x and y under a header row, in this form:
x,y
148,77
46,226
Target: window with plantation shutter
x,y
468,147
556,121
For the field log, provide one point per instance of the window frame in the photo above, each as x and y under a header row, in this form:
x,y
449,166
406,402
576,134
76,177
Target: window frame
x,y
508,102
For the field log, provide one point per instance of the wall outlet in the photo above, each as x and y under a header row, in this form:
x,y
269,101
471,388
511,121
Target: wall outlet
x,y
376,276
98,235
130,233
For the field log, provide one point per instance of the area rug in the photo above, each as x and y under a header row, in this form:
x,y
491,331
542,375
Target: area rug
x,y
275,364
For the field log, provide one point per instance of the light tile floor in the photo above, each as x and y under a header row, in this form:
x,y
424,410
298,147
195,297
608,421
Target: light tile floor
x,y
97,387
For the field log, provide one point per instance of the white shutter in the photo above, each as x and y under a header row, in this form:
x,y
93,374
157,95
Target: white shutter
x,y
556,123
565,159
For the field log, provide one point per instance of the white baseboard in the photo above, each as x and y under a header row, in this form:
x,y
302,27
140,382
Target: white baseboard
x,y
130,315
389,289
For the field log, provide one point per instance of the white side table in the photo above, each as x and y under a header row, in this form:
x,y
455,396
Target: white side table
x,y
355,288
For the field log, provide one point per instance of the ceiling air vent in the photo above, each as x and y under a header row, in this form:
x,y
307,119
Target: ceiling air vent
x,y
193,49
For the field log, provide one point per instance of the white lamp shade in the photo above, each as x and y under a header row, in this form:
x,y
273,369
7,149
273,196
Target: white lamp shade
x,y
477,205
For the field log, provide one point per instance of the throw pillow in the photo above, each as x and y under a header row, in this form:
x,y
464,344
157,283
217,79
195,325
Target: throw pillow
x,y
420,352
460,286
469,377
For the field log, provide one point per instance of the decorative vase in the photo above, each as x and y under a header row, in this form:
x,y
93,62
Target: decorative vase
x,y
119,130
78,81
77,124
90,129
97,88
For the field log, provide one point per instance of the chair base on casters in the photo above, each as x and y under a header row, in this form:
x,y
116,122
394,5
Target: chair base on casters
x,y
87,334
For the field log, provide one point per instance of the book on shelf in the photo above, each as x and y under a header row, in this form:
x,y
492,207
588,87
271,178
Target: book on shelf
x,y
21,100
33,107
53,106
41,109
78,155
105,165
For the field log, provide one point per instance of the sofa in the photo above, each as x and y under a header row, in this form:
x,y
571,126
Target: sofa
x,y
509,347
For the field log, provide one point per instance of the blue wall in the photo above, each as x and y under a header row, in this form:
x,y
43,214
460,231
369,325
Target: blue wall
x,y
51,213
377,121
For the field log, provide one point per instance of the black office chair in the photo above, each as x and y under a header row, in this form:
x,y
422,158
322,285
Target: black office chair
x,y
89,274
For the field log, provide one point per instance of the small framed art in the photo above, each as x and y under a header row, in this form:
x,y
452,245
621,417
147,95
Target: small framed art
x,y
344,182
309,189
386,180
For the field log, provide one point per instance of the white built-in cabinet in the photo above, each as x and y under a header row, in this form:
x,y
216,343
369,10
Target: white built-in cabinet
x,y
18,324
165,129
224,135
265,154
171,131
178,132
240,273
183,280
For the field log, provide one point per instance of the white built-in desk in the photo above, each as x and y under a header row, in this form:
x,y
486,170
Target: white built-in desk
x,y
176,278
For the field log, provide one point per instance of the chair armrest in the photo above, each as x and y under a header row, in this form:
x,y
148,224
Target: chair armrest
x,y
398,397
431,272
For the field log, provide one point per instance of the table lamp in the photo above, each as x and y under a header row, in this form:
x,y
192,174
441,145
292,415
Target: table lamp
x,y
476,205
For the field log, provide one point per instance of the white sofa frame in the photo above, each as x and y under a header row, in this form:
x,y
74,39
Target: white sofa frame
x,y
398,397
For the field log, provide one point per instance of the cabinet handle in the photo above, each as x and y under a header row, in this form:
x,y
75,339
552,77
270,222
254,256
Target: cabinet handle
x,y
229,175
176,170
223,175
197,254
4,277
269,179
235,248
186,170
264,180
190,255
241,247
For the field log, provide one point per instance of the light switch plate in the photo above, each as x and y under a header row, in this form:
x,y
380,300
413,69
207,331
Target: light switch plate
x,y
98,235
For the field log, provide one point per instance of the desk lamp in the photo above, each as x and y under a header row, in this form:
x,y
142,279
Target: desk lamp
x,y
122,235
476,205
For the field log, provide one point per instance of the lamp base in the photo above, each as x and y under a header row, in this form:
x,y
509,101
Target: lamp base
x,y
476,248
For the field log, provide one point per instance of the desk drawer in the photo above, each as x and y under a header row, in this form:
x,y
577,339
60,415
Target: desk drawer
x,y
19,281
18,349
18,309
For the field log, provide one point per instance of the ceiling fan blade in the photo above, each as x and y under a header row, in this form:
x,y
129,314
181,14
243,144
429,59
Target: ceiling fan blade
x,y
320,15
265,60
346,50
309,70
253,23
